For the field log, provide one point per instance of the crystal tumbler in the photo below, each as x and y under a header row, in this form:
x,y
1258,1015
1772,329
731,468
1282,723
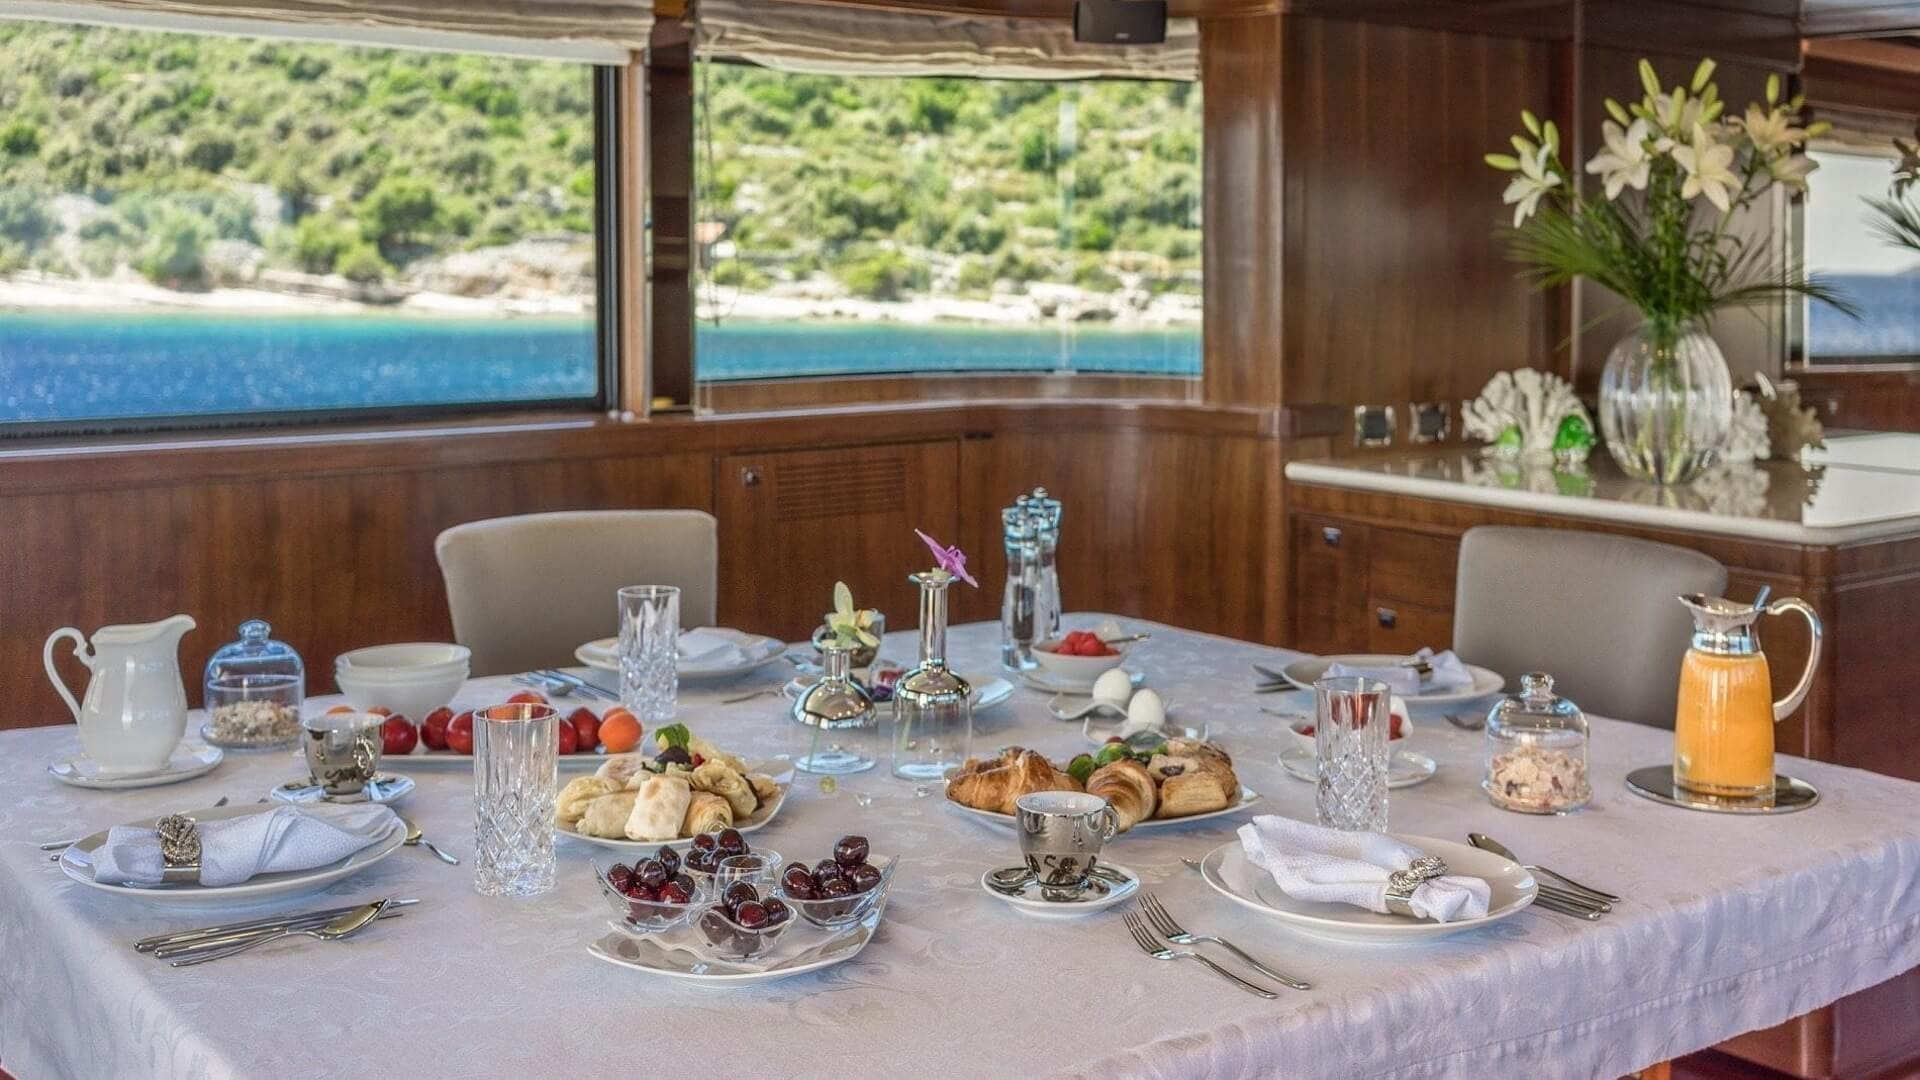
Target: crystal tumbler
x,y
650,651
516,762
1350,740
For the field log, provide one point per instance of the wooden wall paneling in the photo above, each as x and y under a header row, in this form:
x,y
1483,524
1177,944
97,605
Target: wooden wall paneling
x,y
794,522
669,134
1881,77
1877,399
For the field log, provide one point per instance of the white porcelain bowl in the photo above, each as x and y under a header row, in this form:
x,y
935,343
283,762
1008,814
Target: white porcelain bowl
x,y
412,680
405,660
1064,670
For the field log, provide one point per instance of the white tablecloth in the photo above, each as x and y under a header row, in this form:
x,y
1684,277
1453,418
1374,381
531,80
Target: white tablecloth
x,y
1733,923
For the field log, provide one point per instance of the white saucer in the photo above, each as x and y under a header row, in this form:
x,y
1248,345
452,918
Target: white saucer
x,y
190,759
385,788
1104,895
1039,680
1405,768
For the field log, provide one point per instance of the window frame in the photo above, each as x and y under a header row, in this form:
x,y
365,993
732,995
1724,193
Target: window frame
x,y
607,124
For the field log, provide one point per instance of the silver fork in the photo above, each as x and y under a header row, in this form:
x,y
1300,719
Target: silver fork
x,y
338,930
1157,949
1163,921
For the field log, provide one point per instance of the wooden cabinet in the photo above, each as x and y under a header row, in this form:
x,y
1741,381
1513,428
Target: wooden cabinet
x,y
1330,584
793,522
1362,587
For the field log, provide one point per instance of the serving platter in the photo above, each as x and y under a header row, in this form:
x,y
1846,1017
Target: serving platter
x,y
666,956
448,759
1307,670
1248,797
1227,870
782,773
603,655
74,862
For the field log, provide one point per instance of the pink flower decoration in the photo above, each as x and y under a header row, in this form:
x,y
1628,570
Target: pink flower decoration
x,y
950,559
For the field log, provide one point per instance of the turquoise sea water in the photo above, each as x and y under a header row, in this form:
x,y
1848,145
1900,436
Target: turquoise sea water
x,y
95,366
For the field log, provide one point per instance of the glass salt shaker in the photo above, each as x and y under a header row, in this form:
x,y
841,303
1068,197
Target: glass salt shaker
x,y
1047,607
254,689
1018,603
1537,751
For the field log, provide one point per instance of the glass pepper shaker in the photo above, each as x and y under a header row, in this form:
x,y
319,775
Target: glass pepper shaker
x,y
254,689
1537,751
1018,604
1047,607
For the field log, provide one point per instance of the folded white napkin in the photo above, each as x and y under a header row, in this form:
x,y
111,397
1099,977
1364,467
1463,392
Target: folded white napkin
x,y
235,849
714,646
1449,673
1312,863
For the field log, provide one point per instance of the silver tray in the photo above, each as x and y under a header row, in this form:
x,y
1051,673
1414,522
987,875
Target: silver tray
x,y
1656,782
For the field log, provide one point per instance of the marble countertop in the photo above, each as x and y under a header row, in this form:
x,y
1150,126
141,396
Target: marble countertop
x,y
1863,486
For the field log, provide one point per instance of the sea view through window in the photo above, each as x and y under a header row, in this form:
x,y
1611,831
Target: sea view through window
x,y
861,224
1843,247
203,226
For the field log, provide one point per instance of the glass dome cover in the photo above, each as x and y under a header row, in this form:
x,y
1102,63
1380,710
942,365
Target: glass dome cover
x,y
256,653
1536,761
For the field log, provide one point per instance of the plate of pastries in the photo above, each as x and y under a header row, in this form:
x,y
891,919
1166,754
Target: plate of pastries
x,y
1177,781
687,787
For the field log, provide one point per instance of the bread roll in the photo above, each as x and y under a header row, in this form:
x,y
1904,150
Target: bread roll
x,y
607,816
1129,788
571,804
659,807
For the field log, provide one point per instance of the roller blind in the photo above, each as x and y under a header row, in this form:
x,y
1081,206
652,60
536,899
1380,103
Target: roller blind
x,y
838,40
587,31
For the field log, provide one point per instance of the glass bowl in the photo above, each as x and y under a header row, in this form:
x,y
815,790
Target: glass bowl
x,y
710,882
732,941
647,916
840,912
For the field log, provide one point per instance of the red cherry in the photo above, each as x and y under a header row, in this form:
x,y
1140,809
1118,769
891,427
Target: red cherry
x,y
569,742
460,734
397,736
672,893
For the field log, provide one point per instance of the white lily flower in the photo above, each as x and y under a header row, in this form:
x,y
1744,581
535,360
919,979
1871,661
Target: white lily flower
x,y
1791,169
1771,130
1691,116
1709,170
1525,191
1625,162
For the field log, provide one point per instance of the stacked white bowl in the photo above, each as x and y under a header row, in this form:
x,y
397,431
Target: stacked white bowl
x,y
412,679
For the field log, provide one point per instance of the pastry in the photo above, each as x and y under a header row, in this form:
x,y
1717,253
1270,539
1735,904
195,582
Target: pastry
x,y
726,782
607,815
706,812
765,788
1129,788
996,786
659,806
706,751
571,804
620,768
1194,777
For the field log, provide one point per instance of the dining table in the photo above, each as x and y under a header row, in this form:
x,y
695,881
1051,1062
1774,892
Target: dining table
x,y
1728,923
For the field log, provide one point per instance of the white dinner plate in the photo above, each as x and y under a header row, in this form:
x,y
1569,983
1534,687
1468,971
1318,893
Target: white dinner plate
x,y
1226,869
1307,670
1030,902
672,956
1046,683
988,690
1248,797
1405,768
782,773
601,655
190,759
255,889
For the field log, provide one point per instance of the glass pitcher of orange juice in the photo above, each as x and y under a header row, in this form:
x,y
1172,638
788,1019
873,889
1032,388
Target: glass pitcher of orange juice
x,y
1723,725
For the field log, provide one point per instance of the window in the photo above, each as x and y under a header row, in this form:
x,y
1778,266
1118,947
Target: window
x,y
1842,245
198,228
883,224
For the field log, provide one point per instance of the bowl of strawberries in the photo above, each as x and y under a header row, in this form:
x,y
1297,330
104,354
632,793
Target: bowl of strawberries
x,y
1079,657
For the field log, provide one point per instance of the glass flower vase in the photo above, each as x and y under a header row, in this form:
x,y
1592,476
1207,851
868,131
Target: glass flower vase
x,y
932,707
1666,402
838,706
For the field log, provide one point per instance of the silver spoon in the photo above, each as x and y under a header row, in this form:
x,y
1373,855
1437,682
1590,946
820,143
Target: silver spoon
x,y
416,839
1488,843
343,927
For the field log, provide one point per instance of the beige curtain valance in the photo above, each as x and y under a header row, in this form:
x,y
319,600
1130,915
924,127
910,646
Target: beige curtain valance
x,y
591,31
863,41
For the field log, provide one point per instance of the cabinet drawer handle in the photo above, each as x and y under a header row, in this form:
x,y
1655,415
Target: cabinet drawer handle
x,y
1331,535
1387,616
749,477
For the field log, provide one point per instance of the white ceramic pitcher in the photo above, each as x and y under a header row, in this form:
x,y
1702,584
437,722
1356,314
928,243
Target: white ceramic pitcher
x,y
135,708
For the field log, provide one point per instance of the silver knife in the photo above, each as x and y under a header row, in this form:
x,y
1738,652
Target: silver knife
x,y
271,922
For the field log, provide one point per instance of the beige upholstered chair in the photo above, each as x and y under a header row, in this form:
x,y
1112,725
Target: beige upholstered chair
x,y
1596,612
526,591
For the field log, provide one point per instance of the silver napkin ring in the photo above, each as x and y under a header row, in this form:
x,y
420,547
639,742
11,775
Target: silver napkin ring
x,y
179,849
1401,884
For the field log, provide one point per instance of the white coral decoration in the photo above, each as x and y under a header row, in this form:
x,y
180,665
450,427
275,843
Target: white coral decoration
x,y
1535,402
1748,440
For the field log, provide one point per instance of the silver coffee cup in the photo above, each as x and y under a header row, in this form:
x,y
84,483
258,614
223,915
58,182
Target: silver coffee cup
x,y
342,750
1061,833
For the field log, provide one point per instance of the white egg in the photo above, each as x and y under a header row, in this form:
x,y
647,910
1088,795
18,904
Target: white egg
x,y
1113,687
1146,712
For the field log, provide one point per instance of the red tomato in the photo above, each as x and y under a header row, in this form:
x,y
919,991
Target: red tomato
x,y
433,731
586,729
460,734
397,736
569,741
528,697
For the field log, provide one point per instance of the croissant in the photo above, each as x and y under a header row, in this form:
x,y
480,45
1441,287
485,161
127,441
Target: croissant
x,y
718,778
659,807
706,812
997,787
607,816
1128,786
571,804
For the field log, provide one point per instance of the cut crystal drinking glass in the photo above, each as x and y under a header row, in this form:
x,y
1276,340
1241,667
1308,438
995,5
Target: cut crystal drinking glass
x,y
516,763
649,652
1350,737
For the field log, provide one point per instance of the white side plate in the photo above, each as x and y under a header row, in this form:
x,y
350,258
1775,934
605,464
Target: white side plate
x,y
190,759
1305,671
601,656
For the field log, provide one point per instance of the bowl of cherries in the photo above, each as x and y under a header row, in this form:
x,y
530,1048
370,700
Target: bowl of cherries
x,y
837,892
653,894
744,922
707,851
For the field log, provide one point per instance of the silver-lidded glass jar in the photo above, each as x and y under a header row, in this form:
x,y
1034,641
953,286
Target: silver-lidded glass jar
x,y
1537,751
253,692
932,707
